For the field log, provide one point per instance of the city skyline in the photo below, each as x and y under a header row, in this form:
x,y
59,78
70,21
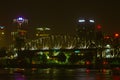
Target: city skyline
x,y
61,16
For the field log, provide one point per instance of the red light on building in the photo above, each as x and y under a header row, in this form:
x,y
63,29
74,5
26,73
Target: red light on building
x,y
87,62
104,70
87,70
99,27
107,37
104,62
22,32
116,35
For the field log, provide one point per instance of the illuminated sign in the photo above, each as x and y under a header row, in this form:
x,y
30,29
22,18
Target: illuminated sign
x,y
82,20
20,19
92,21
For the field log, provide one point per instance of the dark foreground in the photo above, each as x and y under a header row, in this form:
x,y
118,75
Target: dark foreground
x,y
58,74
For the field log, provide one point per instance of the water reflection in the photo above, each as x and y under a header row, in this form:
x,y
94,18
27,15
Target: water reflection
x,y
57,74
18,76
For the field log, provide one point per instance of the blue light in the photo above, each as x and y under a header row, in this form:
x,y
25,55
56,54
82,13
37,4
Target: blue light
x,y
77,51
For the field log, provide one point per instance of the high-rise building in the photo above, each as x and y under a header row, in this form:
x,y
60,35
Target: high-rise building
x,y
20,34
3,40
99,36
86,31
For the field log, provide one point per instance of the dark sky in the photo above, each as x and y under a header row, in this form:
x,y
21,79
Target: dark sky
x,y
61,15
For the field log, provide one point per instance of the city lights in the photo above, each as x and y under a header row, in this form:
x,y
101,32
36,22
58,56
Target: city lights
x,y
85,40
60,40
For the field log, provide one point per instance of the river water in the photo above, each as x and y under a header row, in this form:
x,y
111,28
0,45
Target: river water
x,y
56,74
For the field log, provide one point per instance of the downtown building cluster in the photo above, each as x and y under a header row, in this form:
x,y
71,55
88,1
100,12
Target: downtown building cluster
x,y
88,36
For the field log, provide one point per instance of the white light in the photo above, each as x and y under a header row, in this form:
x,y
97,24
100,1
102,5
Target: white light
x,y
47,28
92,21
20,18
57,47
108,56
2,33
15,55
70,47
41,29
45,48
107,51
81,20
22,49
108,46
1,27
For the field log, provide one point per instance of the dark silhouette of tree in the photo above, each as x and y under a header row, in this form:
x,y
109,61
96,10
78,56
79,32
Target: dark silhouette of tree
x,y
3,52
61,57
44,58
73,58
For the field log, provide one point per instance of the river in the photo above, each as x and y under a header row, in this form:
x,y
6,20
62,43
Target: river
x,y
56,74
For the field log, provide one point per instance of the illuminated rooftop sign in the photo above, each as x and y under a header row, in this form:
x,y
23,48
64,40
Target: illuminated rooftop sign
x,y
92,21
81,20
20,19
43,29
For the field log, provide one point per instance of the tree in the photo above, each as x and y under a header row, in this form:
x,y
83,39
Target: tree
x,y
73,58
3,52
61,57
44,58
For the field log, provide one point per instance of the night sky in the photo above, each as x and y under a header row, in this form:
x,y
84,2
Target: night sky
x,y
61,15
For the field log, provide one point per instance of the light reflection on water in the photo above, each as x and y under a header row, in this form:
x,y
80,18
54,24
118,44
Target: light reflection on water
x,y
56,74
